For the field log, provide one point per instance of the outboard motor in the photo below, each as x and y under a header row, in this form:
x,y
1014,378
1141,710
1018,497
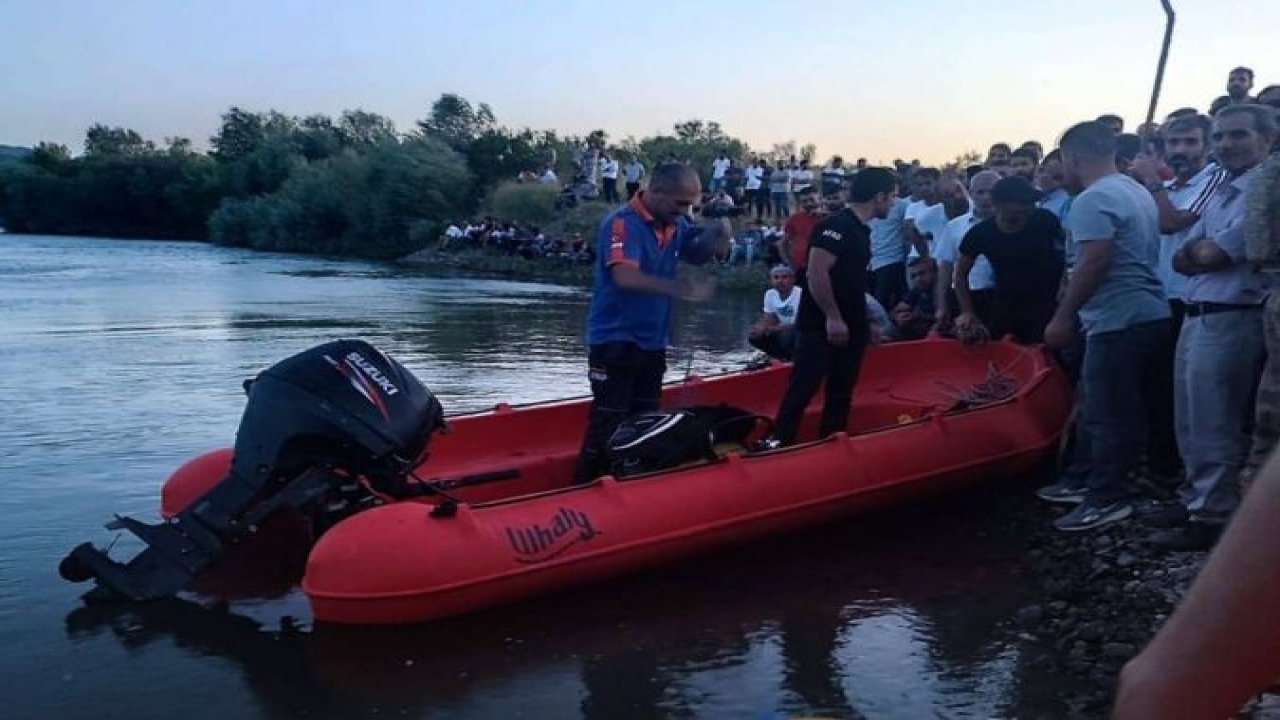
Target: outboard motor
x,y
313,423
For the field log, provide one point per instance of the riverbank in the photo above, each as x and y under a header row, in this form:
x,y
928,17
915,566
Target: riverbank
x,y
1100,598
560,270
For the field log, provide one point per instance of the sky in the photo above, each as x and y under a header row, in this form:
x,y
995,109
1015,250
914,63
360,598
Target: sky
x,y
923,79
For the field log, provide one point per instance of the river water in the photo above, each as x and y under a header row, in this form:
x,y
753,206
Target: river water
x,y
121,359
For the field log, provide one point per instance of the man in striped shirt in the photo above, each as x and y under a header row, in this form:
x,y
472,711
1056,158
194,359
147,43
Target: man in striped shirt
x,y
1180,202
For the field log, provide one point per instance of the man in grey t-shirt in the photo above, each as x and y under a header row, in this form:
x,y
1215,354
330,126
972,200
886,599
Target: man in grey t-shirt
x,y
1114,294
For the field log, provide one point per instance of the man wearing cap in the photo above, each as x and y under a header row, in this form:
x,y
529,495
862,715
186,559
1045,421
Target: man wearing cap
x,y
774,333
1024,245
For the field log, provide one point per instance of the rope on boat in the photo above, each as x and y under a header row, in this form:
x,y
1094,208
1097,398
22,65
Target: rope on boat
x,y
999,385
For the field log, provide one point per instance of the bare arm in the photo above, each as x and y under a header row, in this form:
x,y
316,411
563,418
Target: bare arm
x,y
918,241
1222,644
1201,256
964,264
940,287
785,247
1172,219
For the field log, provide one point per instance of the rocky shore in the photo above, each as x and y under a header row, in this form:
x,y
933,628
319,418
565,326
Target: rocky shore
x,y
1101,597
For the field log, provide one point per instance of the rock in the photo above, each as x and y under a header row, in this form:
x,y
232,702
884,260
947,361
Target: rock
x,y
1090,631
1126,560
1030,615
1119,651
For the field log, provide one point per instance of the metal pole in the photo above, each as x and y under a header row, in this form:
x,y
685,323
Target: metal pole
x,y
1164,57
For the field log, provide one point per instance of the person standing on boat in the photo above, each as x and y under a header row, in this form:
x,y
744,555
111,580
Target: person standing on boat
x,y
638,247
831,326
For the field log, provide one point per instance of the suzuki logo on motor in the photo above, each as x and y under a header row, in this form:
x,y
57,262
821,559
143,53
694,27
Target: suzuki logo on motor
x,y
373,372
539,543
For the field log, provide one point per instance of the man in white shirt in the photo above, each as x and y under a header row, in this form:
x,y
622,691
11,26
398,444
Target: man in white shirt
x,y
925,209
609,177
718,168
548,176
802,178
452,235
635,171
981,277
774,333
755,179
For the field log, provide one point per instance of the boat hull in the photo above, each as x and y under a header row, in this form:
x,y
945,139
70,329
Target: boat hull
x,y
532,534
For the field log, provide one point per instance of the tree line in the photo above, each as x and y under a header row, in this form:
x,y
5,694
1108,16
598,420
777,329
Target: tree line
x,y
351,185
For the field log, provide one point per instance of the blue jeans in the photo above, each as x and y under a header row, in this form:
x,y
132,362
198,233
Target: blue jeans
x,y
1115,407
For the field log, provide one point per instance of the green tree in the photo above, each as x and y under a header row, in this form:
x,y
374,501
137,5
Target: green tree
x,y
358,128
240,133
50,156
373,204
456,122
103,141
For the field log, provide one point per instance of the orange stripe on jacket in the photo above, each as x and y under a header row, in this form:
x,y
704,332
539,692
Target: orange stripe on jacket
x,y
617,245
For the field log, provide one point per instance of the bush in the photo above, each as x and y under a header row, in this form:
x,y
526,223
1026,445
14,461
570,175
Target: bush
x,y
378,204
524,203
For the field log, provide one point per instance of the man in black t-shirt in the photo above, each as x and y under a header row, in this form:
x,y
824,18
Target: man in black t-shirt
x,y
1024,245
831,325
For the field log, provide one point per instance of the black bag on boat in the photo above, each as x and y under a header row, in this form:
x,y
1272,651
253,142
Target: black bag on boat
x,y
653,441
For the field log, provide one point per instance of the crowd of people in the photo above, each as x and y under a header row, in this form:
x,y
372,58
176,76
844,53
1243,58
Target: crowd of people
x,y
515,239
1132,257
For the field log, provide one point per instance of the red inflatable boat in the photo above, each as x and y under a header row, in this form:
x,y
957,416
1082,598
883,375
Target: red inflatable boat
x,y
502,522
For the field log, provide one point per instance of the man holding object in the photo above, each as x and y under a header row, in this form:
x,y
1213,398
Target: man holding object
x,y
638,247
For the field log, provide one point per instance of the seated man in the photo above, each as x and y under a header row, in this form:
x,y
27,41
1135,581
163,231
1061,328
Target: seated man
x,y
913,316
774,333
746,244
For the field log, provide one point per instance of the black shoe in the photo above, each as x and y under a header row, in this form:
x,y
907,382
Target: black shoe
x,y
1162,515
1065,492
1191,537
1088,516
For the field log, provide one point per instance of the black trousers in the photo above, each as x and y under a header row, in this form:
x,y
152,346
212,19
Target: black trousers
x,y
1162,449
632,189
889,284
1023,318
817,360
610,189
625,380
780,344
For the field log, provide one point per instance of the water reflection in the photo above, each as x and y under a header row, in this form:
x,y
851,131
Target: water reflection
x,y
832,621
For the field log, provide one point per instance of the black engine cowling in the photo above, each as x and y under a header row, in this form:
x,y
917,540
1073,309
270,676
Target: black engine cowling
x,y
312,423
